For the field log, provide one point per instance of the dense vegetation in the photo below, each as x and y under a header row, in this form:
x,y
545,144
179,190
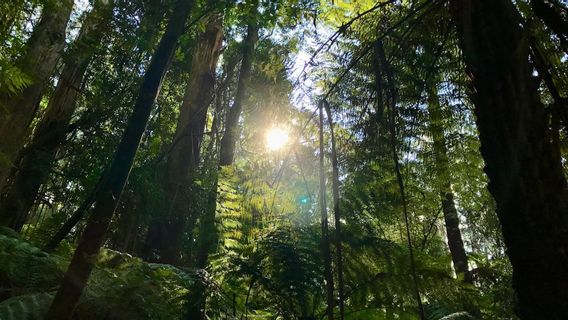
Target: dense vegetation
x,y
273,159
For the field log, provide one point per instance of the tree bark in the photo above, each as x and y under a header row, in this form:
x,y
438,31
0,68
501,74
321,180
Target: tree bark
x,y
522,163
35,161
232,126
92,239
451,219
184,156
325,243
43,50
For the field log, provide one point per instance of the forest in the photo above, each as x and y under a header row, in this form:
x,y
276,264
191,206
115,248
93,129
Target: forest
x,y
283,159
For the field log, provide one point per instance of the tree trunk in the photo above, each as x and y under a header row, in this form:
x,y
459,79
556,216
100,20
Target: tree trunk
x,y
184,155
35,161
451,219
92,239
208,232
336,213
232,126
325,243
38,62
522,163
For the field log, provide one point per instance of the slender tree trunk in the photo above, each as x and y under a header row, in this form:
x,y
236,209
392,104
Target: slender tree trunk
x,y
38,62
184,156
218,112
451,219
92,239
392,97
325,243
36,160
336,213
522,163
232,126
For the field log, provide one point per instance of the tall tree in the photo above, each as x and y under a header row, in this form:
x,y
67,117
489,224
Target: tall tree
x,y
107,198
38,62
184,155
522,163
35,160
207,231
325,239
336,212
232,126
443,182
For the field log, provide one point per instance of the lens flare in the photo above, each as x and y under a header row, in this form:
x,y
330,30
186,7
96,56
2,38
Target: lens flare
x,y
276,138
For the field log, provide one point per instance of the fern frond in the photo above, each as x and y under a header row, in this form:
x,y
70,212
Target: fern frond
x,y
26,307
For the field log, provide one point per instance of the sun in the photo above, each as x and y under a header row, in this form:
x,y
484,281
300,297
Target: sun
x,y
276,138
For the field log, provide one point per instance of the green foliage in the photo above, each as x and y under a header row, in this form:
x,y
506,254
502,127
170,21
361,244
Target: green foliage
x,y
25,268
266,261
127,288
12,79
26,307
437,311
121,287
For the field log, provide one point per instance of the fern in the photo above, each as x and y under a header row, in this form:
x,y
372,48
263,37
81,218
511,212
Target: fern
x,y
457,316
26,307
25,266
12,79
439,311
121,286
